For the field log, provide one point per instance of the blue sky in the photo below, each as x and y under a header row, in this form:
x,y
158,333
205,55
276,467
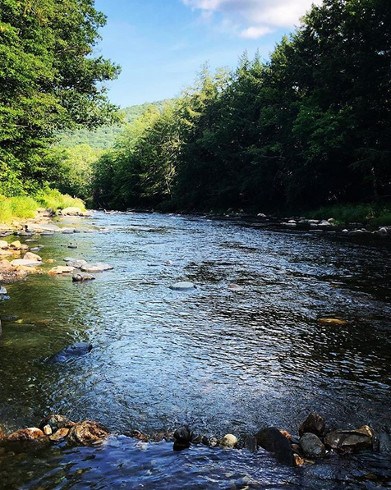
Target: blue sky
x,y
162,44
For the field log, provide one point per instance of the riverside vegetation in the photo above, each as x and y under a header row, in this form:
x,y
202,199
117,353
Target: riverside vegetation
x,y
308,129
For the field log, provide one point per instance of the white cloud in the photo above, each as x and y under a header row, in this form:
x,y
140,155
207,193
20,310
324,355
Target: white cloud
x,y
253,18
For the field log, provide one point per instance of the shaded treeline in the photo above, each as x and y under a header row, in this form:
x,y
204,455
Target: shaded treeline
x,y
311,126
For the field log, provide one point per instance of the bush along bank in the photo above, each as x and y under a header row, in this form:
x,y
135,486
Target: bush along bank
x,y
27,207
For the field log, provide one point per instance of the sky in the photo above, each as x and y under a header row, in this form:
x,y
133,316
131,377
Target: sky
x,y
161,45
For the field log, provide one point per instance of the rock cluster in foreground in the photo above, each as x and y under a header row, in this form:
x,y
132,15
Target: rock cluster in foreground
x,y
314,442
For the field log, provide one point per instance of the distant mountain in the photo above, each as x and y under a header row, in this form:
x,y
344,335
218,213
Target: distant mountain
x,y
104,136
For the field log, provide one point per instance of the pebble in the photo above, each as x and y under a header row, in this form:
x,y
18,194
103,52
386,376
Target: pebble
x,y
182,286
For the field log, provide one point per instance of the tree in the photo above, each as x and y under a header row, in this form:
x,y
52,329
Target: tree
x,y
49,81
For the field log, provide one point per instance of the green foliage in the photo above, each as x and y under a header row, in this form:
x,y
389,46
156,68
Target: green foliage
x,y
371,213
54,200
49,81
309,128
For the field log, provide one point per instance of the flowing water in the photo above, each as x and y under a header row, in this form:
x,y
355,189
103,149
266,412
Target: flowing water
x,y
219,359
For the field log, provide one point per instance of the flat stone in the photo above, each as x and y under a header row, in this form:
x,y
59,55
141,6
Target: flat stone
x,y
61,269
25,263
182,286
97,267
332,321
59,435
32,256
76,263
350,439
3,244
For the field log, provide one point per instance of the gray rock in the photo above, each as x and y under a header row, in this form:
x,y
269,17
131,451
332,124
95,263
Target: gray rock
x,y
347,440
182,286
25,262
312,446
3,290
76,263
82,276
97,267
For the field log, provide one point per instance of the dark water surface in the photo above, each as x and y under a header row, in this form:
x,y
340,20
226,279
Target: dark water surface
x,y
220,360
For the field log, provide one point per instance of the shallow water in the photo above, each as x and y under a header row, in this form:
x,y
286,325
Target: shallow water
x,y
220,360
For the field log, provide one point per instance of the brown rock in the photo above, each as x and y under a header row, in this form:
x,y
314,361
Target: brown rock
x,y
29,434
5,265
59,435
298,460
16,245
87,433
349,440
332,321
314,423
286,434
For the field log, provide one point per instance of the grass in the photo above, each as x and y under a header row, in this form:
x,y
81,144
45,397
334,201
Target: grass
x,y
372,214
24,207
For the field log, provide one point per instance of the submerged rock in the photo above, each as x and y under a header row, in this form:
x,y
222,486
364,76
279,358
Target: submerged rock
x,y
314,423
88,433
182,286
312,446
349,440
332,321
272,440
75,350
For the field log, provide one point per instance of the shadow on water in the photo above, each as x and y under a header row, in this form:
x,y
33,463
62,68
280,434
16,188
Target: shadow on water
x,y
219,358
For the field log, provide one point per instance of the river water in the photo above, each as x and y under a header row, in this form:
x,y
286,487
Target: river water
x,y
221,360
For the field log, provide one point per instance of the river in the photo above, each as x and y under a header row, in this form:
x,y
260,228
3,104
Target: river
x,y
219,359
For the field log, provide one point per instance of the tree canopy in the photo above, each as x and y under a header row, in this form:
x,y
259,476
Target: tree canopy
x,y
311,126
49,80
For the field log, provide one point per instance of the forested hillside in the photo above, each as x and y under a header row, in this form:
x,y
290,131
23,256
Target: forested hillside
x,y
307,128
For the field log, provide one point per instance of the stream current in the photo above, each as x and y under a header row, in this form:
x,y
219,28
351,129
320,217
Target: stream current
x,y
221,359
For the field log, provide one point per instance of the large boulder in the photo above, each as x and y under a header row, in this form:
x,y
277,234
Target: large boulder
x,y
350,440
314,423
272,440
87,433
312,446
